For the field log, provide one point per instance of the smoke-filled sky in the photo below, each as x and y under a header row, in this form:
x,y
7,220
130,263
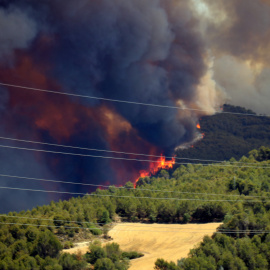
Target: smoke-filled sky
x,y
192,54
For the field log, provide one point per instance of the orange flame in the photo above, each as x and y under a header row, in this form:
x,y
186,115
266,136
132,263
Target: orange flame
x,y
198,126
154,167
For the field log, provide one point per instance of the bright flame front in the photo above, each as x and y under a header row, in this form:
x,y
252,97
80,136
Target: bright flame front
x,y
156,166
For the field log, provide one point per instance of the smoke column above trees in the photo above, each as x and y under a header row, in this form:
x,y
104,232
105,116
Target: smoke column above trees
x,y
238,35
156,51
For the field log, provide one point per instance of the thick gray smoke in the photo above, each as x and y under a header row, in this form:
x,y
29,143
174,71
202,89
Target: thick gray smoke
x,y
147,51
238,34
4,97
144,51
23,164
164,52
245,30
137,50
244,87
17,31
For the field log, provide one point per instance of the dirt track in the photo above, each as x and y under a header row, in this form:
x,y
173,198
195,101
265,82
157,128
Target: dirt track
x,y
170,242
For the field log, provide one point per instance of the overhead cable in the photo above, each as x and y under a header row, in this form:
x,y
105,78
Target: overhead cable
x,y
125,101
113,229
124,196
89,222
119,152
118,224
132,188
128,159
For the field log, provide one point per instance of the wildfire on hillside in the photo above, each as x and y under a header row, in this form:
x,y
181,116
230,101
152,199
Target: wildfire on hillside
x,y
156,166
119,83
198,126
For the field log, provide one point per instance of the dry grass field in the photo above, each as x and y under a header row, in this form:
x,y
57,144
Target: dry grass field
x,y
168,241
79,247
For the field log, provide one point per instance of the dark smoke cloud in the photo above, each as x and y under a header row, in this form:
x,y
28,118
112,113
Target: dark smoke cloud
x,y
154,51
26,164
145,51
131,50
21,163
4,98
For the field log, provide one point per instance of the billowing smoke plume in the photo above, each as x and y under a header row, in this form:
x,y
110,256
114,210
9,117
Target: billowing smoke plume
x,y
244,31
238,34
163,52
245,86
17,31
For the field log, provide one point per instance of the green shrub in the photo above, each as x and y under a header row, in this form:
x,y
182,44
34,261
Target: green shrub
x,y
68,244
94,230
132,255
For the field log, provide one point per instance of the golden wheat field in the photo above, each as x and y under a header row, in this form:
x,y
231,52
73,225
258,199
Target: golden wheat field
x,y
168,241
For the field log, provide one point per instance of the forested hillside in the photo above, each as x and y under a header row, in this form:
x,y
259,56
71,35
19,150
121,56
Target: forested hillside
x,y
194,193
233,135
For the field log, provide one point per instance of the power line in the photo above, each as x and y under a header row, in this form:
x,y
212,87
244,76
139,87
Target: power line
x,y
125,101
129,188
69,227
49,219
43,225
118,152
119,224
103,150
89,222
128,159
124,196
86,222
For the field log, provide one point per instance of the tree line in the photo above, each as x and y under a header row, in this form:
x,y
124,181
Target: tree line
x,y
233,135
192,193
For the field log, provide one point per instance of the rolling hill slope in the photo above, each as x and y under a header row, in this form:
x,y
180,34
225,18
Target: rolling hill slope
x,y
228,135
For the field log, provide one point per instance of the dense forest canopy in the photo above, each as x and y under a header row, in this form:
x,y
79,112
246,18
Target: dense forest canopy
x,y
235,193
232,134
